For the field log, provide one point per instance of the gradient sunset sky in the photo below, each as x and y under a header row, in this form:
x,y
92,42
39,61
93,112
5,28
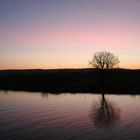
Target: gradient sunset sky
x,y
66,33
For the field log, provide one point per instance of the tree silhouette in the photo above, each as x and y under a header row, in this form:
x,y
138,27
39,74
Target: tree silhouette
x,y
104,60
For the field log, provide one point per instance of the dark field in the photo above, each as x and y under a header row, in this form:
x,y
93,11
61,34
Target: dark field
x,y
71,80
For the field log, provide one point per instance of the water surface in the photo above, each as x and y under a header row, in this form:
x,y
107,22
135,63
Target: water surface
x,y
26,115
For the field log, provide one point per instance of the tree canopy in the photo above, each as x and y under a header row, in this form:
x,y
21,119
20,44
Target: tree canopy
x,y
104,60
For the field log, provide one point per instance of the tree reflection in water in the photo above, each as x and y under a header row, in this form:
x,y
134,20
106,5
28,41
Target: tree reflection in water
x,y
105,113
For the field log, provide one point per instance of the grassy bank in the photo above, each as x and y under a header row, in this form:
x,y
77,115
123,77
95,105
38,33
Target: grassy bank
x,y
71,80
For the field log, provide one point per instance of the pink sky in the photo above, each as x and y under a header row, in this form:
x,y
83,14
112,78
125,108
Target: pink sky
x,y
68,35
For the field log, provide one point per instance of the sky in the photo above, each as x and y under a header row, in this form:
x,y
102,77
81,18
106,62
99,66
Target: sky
x,y
51,34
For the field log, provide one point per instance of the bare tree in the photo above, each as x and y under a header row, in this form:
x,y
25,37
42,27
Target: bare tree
x,y
104,60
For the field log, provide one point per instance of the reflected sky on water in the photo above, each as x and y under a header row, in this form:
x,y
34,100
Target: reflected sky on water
x,y
28,115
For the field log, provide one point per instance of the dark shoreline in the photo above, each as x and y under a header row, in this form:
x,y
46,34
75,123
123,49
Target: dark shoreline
x,y
122,81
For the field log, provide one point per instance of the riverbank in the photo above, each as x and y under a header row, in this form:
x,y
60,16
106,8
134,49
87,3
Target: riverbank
x,y
71,80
